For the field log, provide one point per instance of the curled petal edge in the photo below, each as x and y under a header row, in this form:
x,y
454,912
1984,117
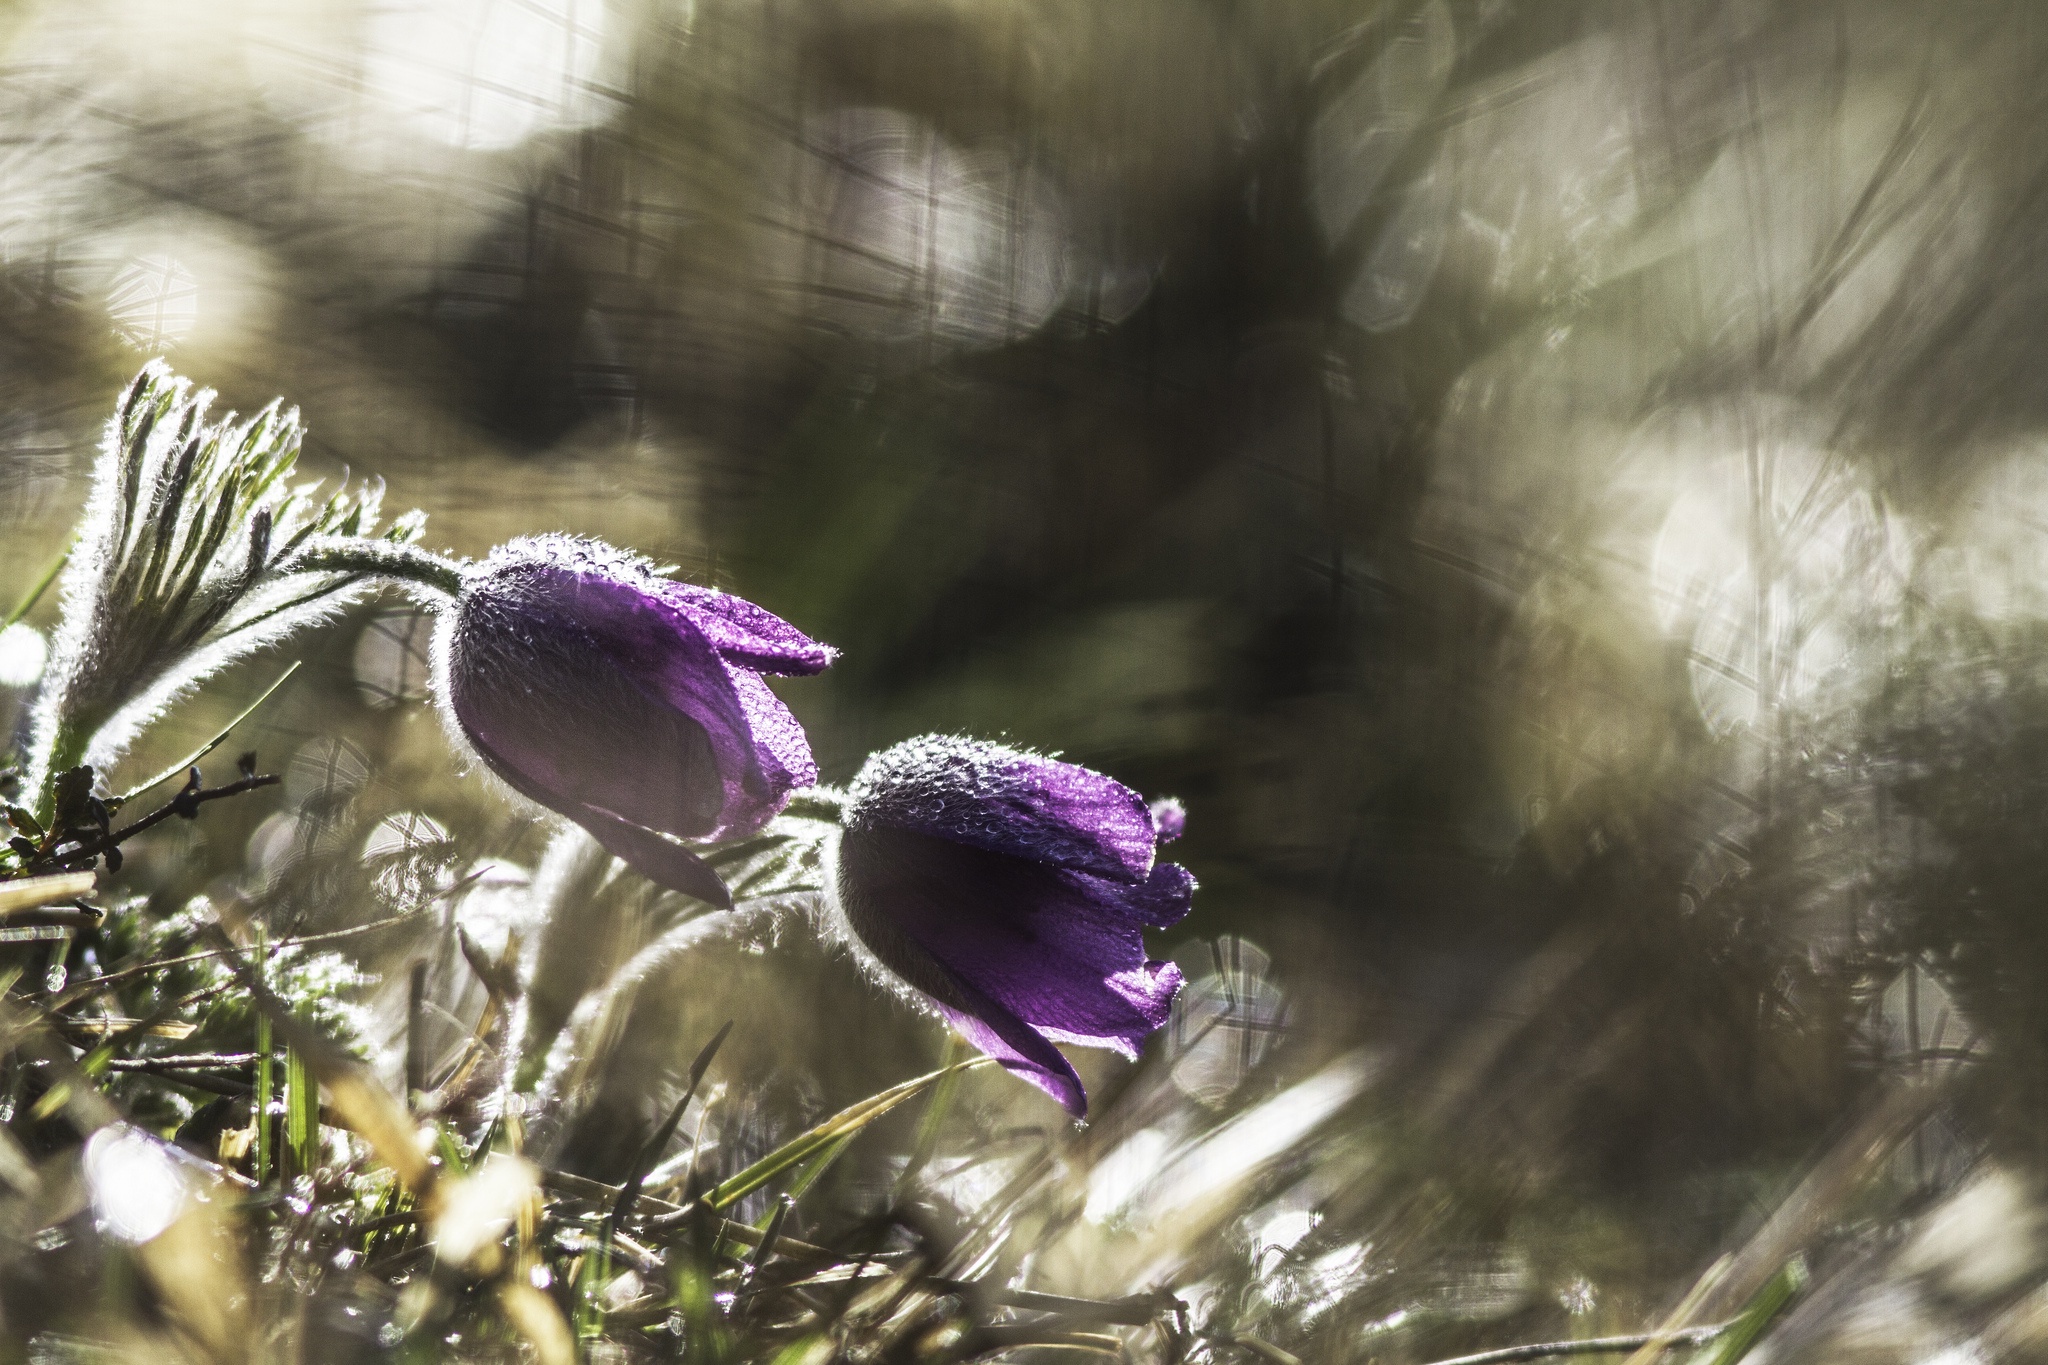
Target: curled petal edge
x,y
660,860
1017,1047
654,857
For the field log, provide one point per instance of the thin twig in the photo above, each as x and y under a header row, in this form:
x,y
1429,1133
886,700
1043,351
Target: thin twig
x,y
1591,1346
1134,1311
191,1061
185,803
87,851
212,1083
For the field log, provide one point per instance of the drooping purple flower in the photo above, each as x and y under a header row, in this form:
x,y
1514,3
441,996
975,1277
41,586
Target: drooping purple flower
x,y
631,704
1013,891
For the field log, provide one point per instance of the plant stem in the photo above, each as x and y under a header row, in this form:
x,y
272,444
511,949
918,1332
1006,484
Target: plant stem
x,y
377,559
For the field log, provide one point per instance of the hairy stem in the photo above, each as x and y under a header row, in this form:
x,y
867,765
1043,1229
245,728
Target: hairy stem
x,y
377,559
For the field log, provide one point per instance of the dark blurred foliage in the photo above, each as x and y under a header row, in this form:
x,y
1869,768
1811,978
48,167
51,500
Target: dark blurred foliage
x,y
1556,489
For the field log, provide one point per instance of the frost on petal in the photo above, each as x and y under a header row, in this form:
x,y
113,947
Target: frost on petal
x,y
780,748
1005,800
1148,990
1163,899
747,634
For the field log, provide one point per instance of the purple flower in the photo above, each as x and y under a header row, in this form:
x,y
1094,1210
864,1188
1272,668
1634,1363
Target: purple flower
x,y
1013,890
629,703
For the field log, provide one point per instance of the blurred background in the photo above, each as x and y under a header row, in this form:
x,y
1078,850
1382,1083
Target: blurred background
x,y
1559,490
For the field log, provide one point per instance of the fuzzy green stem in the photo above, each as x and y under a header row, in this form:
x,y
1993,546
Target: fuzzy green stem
x,y
263,1072
68,751
379,559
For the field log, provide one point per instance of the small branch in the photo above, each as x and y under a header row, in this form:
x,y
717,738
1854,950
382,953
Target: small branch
x,y
1134,1311
191,1061
211,1083
1007,1336
186,804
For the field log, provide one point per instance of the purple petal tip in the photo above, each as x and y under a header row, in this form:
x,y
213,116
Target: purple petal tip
x,y
1169,818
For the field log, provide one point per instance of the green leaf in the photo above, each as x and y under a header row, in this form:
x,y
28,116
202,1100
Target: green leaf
x,y
454,1159
260,963
301,1114
817,1166
23,822
1748,1327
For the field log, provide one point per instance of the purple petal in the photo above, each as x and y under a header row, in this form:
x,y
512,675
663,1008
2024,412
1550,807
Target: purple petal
x,y
616,748
1005,800
747,634
671,661
654,857
1021,1051
1061,951
601,691
1163,899
658,859
780,747
1170,818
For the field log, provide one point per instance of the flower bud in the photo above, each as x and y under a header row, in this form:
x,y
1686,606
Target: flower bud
x,y
631,704
1012,890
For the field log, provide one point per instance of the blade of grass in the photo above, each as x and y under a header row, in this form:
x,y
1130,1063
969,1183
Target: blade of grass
x,y
1657,1342
416,1034
1584,1346
178,769
301,1114
933,1118
1750,1325
818,1165
769,1235
843,1124
651,1152
32,892
360,1102
41,586
539,1321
